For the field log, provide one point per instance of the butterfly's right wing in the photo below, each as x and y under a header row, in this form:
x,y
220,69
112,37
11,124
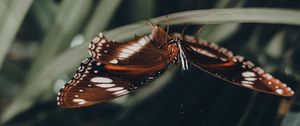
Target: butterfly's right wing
x,y
221,63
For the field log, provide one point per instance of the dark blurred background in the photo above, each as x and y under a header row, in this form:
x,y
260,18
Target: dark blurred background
x,y
34,32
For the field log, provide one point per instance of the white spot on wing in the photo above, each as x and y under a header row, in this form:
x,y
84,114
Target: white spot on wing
x,y
204,52
133,48
284,85
105,85
279,91
247,82
124,50
101,35
142,41
90,52
120,92
268,76
126,92
103,41
239,58
115,89
79,101
248,74
136,45
101,80
95,40
114,61
250,79
247,85
258,70
124,55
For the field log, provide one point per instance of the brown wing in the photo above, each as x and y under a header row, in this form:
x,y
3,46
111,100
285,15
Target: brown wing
x,y
94,82
116,69
139,52
221,63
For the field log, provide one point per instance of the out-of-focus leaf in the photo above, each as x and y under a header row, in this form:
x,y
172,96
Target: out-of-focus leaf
x,y
68,21
215,33
275,47
44,13
67,24
229,3
101,17
146,9
3,7
12,14
292,119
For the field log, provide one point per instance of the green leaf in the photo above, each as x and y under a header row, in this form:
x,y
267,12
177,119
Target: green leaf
x,y
12,14
101,17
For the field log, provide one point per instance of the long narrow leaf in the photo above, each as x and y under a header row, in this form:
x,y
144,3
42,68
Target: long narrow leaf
x,y
103,14
10,23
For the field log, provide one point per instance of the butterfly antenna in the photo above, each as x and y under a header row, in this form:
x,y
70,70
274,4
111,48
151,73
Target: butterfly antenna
x,y
201,27
167,32
150,23
183,30
168,26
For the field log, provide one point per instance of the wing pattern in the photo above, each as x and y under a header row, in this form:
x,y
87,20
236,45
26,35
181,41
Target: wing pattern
x,y
116,69
221,63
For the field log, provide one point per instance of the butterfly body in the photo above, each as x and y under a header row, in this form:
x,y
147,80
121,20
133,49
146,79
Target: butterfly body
x,y
116,69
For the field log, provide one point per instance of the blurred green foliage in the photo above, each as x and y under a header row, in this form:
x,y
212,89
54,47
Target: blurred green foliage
x,y
43,41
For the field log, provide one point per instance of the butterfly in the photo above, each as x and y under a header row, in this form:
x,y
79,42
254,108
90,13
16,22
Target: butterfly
x,y
119,68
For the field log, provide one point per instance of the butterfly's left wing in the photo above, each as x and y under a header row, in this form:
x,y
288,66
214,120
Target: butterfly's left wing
x,y
94,82
221,63
144,51
115,69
